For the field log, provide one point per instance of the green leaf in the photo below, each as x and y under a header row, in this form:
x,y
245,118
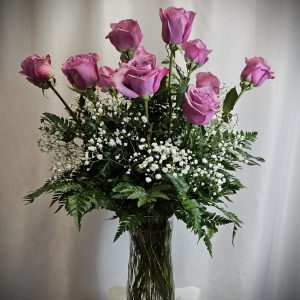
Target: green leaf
x,y
179,183
230,100
77,205
145,199
125,190
46,188
208,244
231,216
59,124
81,101
180,94
159,195
129,191
127,223
136,192
234,233
193,211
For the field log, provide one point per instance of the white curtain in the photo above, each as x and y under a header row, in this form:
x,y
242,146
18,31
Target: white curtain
x,y
42,256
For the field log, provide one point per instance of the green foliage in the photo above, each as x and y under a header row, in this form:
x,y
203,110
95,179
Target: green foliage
x,y
125,190
180,94
76,197
46,188
58,124
127,223
230,100
196,216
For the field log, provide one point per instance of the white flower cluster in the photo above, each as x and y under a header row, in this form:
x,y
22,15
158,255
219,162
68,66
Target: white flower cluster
x,y
161,157
102,142
212,171
231,144
209,172
67,156
47,142
105,141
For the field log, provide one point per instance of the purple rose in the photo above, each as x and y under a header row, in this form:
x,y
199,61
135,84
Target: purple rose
x,y
37,69
176,24
81,70
195,51
200,105
257,71
125,35
141,51
207,79
105,78
140,77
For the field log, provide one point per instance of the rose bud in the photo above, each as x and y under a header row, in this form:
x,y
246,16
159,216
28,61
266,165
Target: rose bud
x,y
81,70
200,105
140,77
125,35
176,24
207,79
37,69
105,78
195,51
257,71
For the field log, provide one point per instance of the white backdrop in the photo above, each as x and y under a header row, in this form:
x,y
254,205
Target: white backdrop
x,y
44,257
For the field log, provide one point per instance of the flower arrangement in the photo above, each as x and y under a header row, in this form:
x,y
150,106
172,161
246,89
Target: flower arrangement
x,y
140,139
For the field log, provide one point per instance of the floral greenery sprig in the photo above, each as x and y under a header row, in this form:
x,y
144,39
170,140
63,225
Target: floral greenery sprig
x,y
150,143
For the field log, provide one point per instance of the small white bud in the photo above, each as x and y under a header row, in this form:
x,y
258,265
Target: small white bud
x,y
158,176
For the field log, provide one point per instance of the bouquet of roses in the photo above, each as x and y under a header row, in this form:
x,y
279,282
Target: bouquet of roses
x,y
140,139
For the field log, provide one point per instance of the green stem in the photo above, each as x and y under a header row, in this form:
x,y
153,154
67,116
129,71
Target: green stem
x,y
69,110
146,106
189,75
172,54
226,114
241,93
189,133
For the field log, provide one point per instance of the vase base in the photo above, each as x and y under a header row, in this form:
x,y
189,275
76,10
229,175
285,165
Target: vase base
x,y
185,293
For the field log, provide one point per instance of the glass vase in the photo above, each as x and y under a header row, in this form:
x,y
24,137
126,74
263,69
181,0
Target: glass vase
x,y
150,271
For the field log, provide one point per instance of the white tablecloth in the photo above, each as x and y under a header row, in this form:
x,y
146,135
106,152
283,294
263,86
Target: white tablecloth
x,y
185,293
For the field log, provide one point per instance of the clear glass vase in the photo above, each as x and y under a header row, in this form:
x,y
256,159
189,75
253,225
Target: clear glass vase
x,y
150,271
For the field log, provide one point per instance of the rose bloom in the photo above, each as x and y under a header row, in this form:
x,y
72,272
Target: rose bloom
x,y
125,35
200,105
176,24
195,51
141,51
207,79
140,77
257,71
37,69
105,78
81,70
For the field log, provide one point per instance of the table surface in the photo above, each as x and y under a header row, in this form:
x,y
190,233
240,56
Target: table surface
x,y
185,293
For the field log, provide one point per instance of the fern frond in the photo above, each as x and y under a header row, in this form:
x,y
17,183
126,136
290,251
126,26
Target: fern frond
x,y
46,188
127,223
